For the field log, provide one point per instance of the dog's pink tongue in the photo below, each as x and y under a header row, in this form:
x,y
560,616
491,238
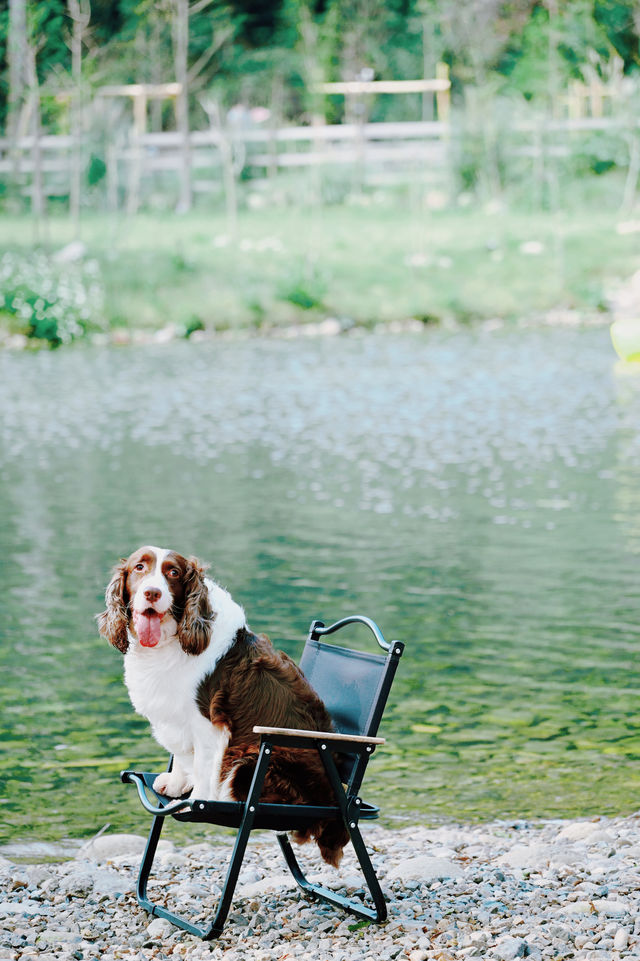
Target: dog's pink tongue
x,y
147,628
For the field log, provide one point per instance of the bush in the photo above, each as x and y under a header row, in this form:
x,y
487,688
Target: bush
x,y
304,288
48,300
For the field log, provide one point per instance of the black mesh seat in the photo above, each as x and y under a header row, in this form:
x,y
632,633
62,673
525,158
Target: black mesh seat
x,y
354,686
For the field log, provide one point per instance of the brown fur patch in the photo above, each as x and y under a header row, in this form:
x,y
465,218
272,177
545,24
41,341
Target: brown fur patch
x,y
255,684
113,621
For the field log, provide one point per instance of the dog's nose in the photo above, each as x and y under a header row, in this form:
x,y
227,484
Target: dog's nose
x,y
152,595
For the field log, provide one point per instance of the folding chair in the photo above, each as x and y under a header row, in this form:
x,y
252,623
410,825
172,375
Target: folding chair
x,y
354,686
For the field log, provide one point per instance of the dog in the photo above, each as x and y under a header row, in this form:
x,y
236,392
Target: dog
x,y
203,679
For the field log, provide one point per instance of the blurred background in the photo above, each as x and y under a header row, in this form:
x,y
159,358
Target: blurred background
x,y
466,149
322,293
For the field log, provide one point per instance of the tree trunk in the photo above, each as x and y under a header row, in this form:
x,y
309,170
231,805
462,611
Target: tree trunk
x,y
37,189
181,49
17,57
80,13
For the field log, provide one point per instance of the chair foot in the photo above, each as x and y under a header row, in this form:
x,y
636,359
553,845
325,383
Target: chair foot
x,y
206,934
378,913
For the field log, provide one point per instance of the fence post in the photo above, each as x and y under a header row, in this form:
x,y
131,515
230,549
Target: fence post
x,y
136,149
443,97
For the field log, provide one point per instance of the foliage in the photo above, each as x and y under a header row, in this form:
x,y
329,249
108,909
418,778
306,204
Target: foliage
x,y
364,265
508,60
305,288
50,301
258,50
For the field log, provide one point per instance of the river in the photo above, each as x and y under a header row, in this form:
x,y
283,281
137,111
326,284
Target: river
x,y
474,492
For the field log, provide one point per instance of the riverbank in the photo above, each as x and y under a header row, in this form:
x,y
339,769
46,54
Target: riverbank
x,y
303,269
506,890
327,328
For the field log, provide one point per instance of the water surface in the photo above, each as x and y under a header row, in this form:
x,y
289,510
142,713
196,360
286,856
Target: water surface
x,y
475,493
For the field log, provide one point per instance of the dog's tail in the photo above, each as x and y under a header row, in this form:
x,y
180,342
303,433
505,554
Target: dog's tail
x,y
330,836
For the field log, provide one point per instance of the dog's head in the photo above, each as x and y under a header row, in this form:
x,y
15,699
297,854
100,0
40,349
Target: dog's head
x,y
156,595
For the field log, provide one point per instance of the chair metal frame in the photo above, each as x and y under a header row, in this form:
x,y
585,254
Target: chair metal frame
x,y
251,814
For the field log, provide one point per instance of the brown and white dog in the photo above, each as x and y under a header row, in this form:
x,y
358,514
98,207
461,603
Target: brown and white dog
x,y
202,678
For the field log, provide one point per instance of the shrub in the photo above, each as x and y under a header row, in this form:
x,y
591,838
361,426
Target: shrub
x,y
47,300
304,288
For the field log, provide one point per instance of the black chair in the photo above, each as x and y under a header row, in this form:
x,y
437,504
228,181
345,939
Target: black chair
x,y
354,686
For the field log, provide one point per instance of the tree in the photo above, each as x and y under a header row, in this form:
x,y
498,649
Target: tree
x,y
17,56
80,13
181,53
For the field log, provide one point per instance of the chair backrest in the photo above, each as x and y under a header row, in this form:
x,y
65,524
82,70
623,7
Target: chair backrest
x,y
354,685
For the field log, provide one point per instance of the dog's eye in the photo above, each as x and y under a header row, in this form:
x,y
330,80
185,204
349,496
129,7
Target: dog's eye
x,y
173,572
139,567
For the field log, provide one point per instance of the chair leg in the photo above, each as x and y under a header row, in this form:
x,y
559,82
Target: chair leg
x,y
147,863
141,891
215,928
378,913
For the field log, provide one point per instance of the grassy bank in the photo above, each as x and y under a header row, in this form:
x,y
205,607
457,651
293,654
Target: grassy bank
x,y
362,264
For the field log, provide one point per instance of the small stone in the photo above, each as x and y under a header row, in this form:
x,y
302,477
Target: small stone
x,y
111,883
274,883
579,830
25,906
578,907
59,936
16,341
172,859
109,846
329,327
479,938
160,928
508,948
610,908
621,940
166,334
78,885
425,868
525,856
38,874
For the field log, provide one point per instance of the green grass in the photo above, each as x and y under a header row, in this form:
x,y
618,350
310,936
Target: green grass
x,y
368,264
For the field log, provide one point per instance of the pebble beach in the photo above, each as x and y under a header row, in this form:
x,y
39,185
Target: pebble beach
x,y
506,890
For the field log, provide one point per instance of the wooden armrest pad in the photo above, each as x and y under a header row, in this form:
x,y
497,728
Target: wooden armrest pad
x,y
320,735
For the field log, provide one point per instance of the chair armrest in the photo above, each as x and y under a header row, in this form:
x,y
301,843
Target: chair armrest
x,y
171,807
319,735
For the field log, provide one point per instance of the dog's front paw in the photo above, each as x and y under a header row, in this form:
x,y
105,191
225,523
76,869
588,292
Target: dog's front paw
x,y
173,784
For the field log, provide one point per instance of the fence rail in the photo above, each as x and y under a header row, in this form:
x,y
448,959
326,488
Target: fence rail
x,y
415,150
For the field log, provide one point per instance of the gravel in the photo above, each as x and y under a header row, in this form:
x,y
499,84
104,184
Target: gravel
x,y
502,891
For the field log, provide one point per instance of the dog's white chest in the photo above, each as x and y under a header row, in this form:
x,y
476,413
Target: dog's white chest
x,y
163,689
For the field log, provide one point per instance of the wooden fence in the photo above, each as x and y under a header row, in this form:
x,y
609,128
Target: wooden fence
x,y
398,149
368,153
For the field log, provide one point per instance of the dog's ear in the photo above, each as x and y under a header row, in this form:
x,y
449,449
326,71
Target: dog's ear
x,y
196,623
113,622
